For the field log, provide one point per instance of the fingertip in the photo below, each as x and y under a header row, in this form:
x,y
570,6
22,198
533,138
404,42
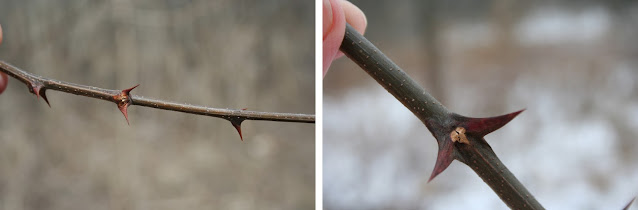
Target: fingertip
x,y
354,16
3,82
3,77
333,36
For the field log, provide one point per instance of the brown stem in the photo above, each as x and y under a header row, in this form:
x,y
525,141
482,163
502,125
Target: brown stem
x,y
38,86
459,137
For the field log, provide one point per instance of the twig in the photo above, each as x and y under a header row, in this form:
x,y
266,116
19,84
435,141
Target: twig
x,y
459,137
629,204
38,86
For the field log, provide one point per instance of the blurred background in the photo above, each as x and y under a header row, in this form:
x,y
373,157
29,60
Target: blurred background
x,y
572,64
81,154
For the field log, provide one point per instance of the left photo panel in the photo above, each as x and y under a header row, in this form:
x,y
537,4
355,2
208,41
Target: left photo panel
x,y
204,104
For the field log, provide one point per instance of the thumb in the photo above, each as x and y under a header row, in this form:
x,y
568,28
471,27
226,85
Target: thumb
x,y
333,31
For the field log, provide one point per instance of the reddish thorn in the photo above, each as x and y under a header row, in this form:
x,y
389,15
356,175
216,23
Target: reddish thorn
x,y
123,100
127,91
484,126
39,91
444,158
124,111
244,109
35,89
237,124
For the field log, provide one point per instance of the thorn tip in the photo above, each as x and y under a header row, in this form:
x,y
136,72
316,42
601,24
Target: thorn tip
x,y
124,110
127,91
44,96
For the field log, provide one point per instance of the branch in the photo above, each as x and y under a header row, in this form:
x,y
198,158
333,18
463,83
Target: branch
x,y
459,138
629,204
38,86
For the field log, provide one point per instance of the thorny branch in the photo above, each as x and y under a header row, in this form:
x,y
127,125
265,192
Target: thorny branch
x,y
38,86
459,137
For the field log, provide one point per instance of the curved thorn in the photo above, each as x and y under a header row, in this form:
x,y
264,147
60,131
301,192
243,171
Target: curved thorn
x,y
237,124
444,158
484,126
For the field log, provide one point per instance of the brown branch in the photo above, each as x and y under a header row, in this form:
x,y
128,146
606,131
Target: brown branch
x,y
459,137
38,86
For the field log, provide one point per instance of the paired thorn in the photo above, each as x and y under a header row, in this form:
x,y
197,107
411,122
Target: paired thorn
x,y
40,91
123,100
464,128
237,124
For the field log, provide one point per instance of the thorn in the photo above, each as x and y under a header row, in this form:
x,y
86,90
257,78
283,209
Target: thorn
x,y
237,124
43,93
629,204
127,91
484,126
123,100
123,108
39,90
444,158
244,109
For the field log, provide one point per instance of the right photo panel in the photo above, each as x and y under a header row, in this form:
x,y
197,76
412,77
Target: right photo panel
x,y
480,104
